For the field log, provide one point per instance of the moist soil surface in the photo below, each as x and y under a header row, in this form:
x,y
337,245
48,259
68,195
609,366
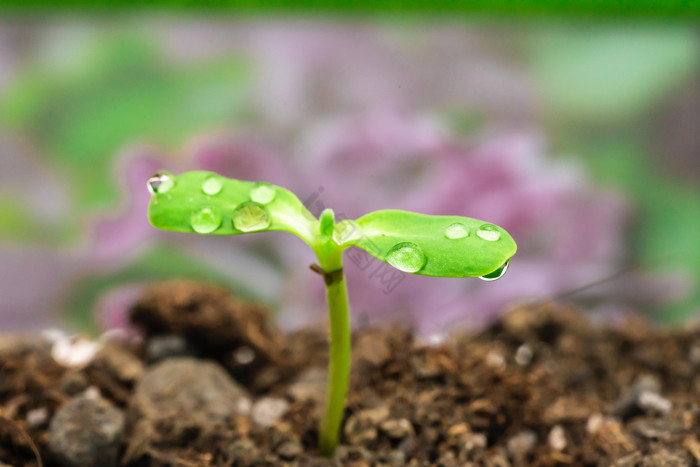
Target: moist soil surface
x,y
214,383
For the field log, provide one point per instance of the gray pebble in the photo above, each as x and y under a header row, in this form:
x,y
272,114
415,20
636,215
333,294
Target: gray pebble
x,y
179,396
160,348
268,410
632,402
85,432
189,389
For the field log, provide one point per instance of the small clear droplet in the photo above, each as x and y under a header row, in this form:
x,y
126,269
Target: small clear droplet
x,y
262,193
205,220
456,230
160,182
497,274
212,185
249,217
488,232
407,257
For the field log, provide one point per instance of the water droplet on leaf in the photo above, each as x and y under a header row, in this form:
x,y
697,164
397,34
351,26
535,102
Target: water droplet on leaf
x,y
212,185
160,182
407,257
497,274
249,217
456,230
488,232
205,220
262,193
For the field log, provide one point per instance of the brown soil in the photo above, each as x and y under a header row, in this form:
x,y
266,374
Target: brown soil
x,y
214,383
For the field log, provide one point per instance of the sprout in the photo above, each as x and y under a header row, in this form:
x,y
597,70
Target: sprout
x,y
439,246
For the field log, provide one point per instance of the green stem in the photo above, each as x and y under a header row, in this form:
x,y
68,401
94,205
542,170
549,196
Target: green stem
x,y
339,364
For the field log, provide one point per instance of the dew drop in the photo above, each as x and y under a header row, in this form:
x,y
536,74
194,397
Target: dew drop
x,y
488,232
262,193
497,274
212,185
249,217
160,182
407,257
205,220
456,230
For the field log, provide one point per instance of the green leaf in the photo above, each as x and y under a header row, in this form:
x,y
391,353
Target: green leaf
x,y
440,246
207,203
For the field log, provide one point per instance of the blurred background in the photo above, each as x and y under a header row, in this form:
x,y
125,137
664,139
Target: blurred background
x,y
581,139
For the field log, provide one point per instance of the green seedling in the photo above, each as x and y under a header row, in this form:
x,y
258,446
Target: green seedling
x,y
441,246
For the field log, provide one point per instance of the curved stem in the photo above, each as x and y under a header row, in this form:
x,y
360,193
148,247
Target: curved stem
x,y
339,363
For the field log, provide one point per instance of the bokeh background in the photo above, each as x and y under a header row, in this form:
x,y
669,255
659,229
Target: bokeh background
x,y
580,138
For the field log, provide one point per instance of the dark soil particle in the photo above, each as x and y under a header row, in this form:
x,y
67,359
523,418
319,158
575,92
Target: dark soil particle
x,y
216,384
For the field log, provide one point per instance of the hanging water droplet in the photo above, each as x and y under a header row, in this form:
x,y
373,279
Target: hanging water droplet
x,y
160,182
488,232
407,257
205,220
456,230
497,274
262,193
212,185
249,217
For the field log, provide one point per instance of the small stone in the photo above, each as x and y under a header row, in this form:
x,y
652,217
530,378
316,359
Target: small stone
x,y
181,396
372,348
475,442
85,432
309,385
495,359
290,450
268,410
243,452
361,427
161,348
243,355
398,428
524,354
188,388
557,438
119,362
628,404
37,417
595,423
653,402
522,443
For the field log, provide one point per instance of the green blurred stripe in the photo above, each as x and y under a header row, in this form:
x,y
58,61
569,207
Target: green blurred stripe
x,y
617,8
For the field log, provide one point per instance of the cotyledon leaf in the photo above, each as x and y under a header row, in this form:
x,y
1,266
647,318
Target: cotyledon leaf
x,y
207,203
441,246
